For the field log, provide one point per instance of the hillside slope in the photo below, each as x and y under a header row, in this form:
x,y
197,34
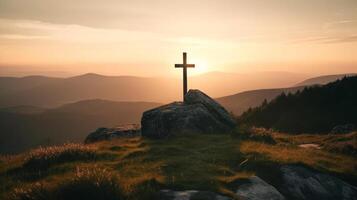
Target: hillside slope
x,y
241,102
69,123
138,168
238,103
314,109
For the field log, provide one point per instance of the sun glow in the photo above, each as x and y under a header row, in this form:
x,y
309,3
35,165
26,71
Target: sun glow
x,y
201,67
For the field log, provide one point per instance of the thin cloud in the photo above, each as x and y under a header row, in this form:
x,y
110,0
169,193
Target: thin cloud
x,y
328,39
340,25
345,39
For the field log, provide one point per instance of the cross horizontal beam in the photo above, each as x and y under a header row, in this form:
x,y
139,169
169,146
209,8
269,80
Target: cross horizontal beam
x,y
184,65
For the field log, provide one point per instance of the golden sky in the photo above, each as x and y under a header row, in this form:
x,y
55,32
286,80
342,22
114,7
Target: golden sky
x,y
146,38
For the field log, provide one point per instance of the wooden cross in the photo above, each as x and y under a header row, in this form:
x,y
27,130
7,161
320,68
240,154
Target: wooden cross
x,y
184,66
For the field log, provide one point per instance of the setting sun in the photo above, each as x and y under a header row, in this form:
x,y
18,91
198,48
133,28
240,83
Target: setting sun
x,y
201,66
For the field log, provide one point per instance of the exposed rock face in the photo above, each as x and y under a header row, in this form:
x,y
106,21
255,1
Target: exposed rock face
x,y
256,189
302,183
100,134
190,195
341,129
297,183
197,97
198,113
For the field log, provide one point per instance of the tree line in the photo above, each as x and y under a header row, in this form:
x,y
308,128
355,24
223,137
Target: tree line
x,y
315,109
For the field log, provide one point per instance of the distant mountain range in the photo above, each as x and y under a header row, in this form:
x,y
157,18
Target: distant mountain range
x,y
321,80
23,127
52,92
49,92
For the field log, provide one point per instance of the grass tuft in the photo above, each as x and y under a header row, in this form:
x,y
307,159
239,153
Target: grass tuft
x,y
91,183
256,134
43,158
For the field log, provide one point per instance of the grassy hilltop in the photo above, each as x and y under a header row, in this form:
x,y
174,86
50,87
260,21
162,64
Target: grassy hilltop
x,y
137,168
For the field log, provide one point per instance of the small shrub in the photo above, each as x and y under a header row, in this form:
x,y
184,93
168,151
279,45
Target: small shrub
x,y
43,158
260,135
91,183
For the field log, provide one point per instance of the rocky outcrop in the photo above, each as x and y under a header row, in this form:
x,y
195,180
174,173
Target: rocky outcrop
x,y
190,195
198,113
302,183
255,188
128,130
294,182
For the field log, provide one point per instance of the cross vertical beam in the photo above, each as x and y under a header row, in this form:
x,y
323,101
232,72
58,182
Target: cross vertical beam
x,y
184,74
184,66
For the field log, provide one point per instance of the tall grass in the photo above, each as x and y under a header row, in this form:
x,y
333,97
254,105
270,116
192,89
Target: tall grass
x,y
43,158
314,158
86,183
91,183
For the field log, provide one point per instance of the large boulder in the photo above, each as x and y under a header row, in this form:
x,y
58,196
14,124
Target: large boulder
x,y
254,188
198,113
197,97
127,130
302,183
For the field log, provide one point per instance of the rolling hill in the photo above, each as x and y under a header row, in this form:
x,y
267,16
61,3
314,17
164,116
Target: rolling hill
x,y
322,80
241,102
13,85
25,127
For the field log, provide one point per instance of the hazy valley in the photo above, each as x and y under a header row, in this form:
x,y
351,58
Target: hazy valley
x,y
29,122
